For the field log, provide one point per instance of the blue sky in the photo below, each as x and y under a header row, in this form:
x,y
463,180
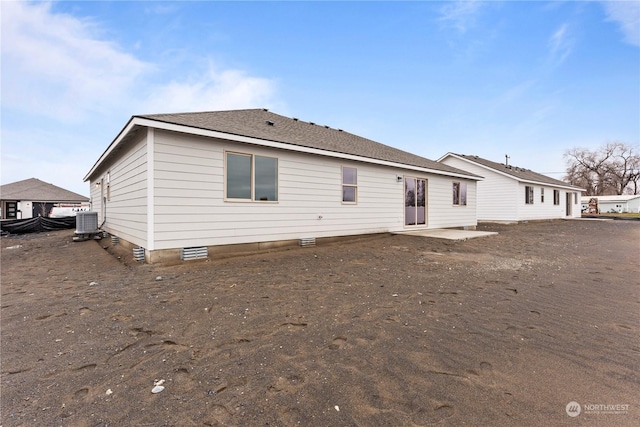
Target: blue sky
x,y
528,79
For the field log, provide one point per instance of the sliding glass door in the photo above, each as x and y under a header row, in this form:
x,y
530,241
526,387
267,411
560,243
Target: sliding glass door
x,y
415,209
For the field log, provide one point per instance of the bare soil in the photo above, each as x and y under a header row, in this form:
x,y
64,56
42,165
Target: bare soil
x,y
385,331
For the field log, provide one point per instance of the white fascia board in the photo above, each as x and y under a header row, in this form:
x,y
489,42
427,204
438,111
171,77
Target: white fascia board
x,y
546,184
568,186
445,156
292,147
480,165
139,121
127,128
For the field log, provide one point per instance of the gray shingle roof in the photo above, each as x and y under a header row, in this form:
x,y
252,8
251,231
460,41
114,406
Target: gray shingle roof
x,y
519,173
263,124
35,190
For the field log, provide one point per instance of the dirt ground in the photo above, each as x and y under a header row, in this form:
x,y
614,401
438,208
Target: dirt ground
x,y
396,330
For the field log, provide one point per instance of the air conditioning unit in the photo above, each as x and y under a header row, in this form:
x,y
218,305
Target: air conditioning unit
x,y
87,222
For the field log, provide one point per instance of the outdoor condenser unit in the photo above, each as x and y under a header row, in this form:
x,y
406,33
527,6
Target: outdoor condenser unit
x,y
87,222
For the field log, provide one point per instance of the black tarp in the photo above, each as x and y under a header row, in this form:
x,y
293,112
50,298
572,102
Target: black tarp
x,y
36,225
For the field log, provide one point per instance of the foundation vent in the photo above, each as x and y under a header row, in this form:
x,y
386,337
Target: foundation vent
x,y
307,242
138,254
115,240
187,254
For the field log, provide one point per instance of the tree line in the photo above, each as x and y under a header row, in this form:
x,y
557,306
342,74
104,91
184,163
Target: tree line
x,y
613,168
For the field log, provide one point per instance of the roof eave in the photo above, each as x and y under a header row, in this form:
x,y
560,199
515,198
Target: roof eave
x,y
47,199
114,144
548,184
164,125
528,181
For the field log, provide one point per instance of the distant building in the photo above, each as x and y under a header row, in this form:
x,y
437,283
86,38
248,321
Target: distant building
x,y
31,197
509,193
625,203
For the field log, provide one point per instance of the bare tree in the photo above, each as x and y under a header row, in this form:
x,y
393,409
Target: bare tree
x,y
635,180
42,209
623,168
611,169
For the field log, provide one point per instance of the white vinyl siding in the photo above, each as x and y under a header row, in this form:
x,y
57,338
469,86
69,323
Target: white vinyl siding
x,y
540,210
94,198
441,213
190,209
124,185
496,194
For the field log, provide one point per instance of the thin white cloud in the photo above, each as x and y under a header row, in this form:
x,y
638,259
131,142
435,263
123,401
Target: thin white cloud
x,y
460,14
160,8
534,122
59,66
54,65
516,93
561,44
213,90
66,90
627,15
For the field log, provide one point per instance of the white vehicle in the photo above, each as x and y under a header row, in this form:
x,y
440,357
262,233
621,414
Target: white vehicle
x,y
62,212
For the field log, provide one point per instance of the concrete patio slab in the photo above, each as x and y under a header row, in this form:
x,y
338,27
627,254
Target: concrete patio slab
x,y
449,234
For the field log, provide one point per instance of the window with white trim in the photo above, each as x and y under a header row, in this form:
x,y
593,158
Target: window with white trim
x,y
556,197
349,185
250,177
459,193
542,195
528,195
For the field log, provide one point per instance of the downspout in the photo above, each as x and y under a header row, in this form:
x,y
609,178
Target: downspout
x,y
105,215
150,189
103,203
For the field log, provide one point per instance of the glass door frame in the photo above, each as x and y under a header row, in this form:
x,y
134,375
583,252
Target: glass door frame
x,y
420,200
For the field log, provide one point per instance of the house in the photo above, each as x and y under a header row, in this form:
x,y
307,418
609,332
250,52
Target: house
x,y
243,179
31,198
509,193
625,203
